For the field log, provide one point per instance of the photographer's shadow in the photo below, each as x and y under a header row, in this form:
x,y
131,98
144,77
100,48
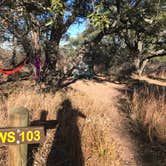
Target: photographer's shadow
x,y
66,148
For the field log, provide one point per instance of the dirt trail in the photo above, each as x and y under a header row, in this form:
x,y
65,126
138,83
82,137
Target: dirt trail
x,y
108,94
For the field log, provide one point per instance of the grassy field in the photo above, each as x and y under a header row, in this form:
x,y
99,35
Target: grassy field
x,y
80,137
148,106
78,131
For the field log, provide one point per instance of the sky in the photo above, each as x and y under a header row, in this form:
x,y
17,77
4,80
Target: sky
x,y
74,30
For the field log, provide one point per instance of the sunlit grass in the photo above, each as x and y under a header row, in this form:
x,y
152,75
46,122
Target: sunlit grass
x,y
97,146
150,111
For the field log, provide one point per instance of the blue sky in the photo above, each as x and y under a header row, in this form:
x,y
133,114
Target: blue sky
x,y
74,30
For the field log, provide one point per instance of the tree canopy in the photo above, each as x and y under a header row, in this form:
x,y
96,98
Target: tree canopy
x,y
38,26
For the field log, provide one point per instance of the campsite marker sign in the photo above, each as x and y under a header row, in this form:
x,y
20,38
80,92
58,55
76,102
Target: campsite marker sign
x,y
28,135
18,135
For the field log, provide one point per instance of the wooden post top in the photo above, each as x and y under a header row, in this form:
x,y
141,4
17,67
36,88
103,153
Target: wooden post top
x,y
19,110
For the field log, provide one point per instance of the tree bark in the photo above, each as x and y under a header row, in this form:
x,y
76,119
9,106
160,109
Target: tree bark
x,y
49,75
138,54
142,67
14,51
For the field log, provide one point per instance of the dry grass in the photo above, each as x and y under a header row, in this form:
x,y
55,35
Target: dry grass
x,y
149,107
160,72
95,142
35,103
98,147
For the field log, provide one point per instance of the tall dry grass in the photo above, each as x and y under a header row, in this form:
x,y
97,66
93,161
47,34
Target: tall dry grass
x,y
159,73
97,146
149,109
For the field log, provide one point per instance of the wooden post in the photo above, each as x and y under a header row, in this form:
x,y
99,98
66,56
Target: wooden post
x,y
17,155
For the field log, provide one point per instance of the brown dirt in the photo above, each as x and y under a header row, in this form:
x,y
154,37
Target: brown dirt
x,y
108,94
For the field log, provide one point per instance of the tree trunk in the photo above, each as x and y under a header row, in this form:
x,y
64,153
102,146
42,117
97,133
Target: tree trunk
x,y
142,67
49,75
138,54
14,51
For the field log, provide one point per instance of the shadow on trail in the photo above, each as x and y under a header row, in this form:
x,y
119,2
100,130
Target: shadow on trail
x,y
66,148
151,153
47,124
50,124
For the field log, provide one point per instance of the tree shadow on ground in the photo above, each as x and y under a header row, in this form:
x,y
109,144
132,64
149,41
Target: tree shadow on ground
x,y
66,148
151,153
104,80
157,78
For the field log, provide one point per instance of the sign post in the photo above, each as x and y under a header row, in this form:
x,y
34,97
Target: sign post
x,y
18,135
18,117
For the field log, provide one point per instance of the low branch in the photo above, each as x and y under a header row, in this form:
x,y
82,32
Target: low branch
x,y
154,54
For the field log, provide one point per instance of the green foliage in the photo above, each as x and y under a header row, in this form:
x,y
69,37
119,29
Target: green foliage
x,y
161,18
57,8
49,22
100,17
143,22
40,14
122,26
